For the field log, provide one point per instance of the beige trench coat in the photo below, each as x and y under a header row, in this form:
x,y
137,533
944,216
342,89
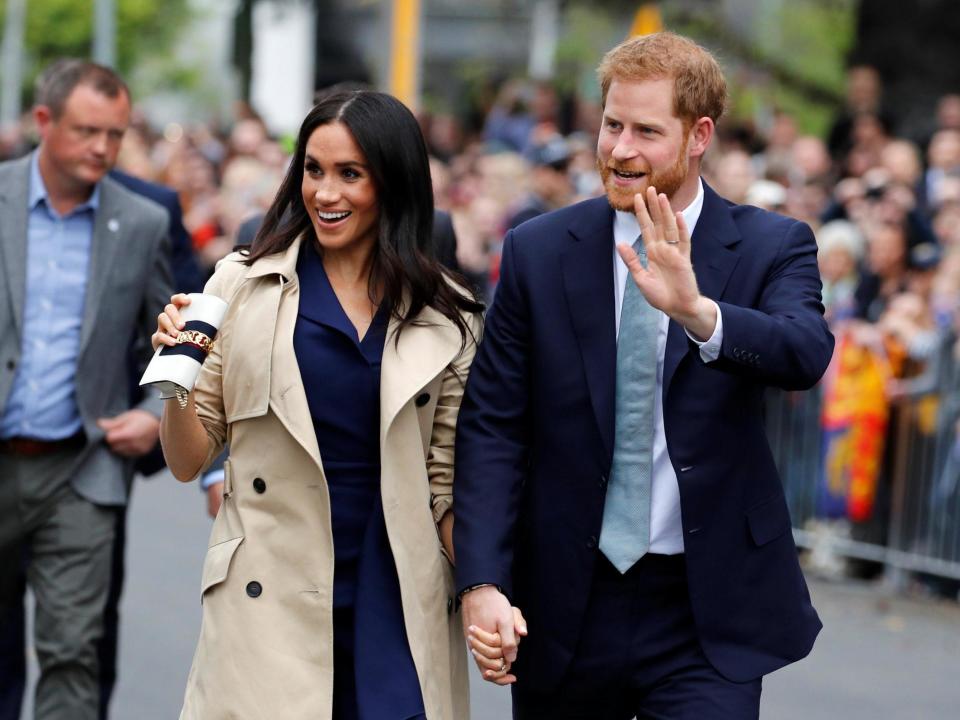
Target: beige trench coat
x,y
268,655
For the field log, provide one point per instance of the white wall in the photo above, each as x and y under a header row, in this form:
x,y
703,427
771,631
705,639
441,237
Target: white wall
x,y
282,86
206,46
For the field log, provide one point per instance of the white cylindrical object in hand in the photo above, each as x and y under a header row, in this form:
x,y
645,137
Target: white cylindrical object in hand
x,y
178,366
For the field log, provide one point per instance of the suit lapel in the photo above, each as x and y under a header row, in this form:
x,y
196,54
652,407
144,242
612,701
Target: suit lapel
x,y
13,237
587,269
110,236
713,262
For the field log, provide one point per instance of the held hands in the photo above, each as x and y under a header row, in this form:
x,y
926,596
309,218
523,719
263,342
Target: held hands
x,y
668,282
493,630
169,322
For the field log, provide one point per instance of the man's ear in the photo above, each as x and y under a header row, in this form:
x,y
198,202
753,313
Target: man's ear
x,y
701,133
42,117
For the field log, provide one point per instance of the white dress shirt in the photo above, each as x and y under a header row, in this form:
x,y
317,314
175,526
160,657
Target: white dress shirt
x,y
666,531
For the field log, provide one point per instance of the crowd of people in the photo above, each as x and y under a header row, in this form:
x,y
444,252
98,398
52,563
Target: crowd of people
x,y
884,209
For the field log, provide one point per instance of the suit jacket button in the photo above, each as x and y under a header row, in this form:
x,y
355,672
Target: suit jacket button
x,y
591,542
254,589
422,399
259,485
603,481
449,606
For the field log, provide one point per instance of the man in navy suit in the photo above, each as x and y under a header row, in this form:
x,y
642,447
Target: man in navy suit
x,y
613,478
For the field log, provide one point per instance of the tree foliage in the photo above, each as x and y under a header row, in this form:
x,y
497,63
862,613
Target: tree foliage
x,y
785,55
146,29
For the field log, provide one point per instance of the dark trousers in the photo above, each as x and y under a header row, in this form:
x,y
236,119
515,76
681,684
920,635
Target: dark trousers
x,y
13,663
108,646
639,656
61,544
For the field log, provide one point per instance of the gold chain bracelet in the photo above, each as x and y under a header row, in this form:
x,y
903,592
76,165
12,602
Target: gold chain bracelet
x,y
195,338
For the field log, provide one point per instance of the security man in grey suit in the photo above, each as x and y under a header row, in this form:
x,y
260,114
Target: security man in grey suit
x,y
85,271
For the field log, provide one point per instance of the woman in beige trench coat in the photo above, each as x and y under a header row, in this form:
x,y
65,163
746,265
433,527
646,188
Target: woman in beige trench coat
x,y
358,196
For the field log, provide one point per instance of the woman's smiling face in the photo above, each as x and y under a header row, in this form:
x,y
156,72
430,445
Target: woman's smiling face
x,y
338,190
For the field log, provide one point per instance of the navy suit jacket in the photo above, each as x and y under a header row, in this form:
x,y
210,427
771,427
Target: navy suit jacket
x,y
186,272
535,433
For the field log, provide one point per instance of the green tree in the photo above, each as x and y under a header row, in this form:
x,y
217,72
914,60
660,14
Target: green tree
x,y
146,30
776,54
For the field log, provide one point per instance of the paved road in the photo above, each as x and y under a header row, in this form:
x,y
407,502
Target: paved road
x,y
879,657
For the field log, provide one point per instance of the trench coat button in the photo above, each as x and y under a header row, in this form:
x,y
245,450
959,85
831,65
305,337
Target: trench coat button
x,y
449,606
591,542
422,399
254,589
259,485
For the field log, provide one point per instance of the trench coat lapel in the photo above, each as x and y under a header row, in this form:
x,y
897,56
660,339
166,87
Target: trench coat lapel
x,y
409,363
275,314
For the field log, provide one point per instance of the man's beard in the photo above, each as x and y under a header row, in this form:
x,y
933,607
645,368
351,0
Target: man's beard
x,y
666,181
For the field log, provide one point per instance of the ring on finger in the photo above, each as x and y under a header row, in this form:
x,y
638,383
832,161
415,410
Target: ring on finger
x,y
503,666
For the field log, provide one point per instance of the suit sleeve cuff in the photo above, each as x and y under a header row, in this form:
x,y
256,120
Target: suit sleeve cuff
x,y
710,348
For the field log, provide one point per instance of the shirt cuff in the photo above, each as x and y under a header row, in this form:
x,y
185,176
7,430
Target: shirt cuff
x,y
710,349
211,478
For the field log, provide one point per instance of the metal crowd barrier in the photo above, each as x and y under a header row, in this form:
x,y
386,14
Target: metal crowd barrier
x,y
915,523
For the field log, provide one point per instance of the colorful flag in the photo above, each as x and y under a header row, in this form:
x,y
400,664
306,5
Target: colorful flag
x,y
855,414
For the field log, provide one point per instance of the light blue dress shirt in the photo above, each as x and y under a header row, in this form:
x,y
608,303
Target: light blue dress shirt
x,y
42,403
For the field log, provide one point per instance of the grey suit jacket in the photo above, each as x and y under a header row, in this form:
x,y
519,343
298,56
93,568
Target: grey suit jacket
x,y
128,284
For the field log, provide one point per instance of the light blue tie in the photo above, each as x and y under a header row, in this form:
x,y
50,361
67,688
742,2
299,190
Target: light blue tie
x,y
625,536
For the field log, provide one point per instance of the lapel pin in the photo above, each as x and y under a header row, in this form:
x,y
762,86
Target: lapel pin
x,y
113,225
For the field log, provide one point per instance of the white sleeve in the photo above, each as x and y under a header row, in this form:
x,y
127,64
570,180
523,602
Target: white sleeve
x,y
710,349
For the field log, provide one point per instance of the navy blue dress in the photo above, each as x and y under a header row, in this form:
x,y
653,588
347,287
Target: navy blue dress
x,y
374,675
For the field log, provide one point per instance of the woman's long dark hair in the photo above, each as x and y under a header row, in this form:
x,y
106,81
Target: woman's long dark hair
x,y
391,141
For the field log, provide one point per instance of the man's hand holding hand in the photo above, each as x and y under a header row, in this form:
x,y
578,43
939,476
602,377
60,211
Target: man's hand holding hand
x,y
493,630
